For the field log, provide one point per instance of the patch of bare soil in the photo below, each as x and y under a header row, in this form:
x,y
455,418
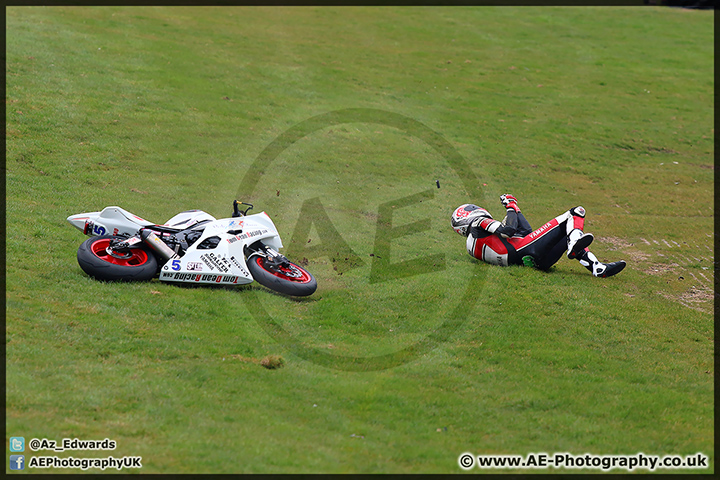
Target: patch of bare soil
x,y
616,243
695,294
626,247
660,268
699,299
638,257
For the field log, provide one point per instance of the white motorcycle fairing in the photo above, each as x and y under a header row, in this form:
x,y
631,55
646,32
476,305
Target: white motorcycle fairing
x,y
223,264
111,221
191,247
118,221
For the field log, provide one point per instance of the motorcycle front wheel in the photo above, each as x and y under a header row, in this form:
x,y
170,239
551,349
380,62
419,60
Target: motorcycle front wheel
x,y
135,265
289,279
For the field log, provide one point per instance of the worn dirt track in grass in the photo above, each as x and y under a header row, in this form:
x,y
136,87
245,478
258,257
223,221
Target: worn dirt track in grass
x,y
689,265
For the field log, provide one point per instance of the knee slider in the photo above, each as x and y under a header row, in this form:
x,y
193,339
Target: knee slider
x,y
578,212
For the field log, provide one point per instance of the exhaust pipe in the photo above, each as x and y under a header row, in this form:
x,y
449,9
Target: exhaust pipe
x,y
157,245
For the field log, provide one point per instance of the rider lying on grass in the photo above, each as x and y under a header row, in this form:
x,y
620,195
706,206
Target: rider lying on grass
x,y
514,242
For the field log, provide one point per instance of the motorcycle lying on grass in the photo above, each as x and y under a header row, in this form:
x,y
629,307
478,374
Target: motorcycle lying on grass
x,y
192,247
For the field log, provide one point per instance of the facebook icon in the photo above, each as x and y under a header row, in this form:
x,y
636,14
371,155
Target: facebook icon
x,y
17,462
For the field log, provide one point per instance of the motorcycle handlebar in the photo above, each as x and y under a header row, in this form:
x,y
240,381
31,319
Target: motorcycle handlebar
x,y
237,212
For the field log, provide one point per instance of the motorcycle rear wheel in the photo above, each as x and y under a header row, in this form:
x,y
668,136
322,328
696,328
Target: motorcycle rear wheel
x,y
138,265
290,280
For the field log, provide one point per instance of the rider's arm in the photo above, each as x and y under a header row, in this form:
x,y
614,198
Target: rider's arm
x,y
510,227
513,217
490,225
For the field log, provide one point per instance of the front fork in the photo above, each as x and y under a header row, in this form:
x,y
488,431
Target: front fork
x,y
273,258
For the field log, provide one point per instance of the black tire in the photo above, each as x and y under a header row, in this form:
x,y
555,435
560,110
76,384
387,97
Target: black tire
x,y
295,281
140,266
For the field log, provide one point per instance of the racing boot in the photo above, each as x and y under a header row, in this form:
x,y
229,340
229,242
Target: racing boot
x,y
597,268
609,269
578,241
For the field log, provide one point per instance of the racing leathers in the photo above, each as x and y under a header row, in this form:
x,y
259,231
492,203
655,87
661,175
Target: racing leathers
x,y
514,242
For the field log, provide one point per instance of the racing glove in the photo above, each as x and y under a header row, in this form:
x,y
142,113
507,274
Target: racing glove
x,y
509,202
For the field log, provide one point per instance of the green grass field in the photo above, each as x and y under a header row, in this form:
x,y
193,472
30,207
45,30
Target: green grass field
x,y
410,353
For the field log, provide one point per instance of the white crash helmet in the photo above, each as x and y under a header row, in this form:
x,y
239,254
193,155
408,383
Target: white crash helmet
x,y
466,214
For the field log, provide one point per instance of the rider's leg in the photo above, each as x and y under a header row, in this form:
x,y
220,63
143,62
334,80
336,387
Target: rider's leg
x,y
543,247
577,240
547,244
